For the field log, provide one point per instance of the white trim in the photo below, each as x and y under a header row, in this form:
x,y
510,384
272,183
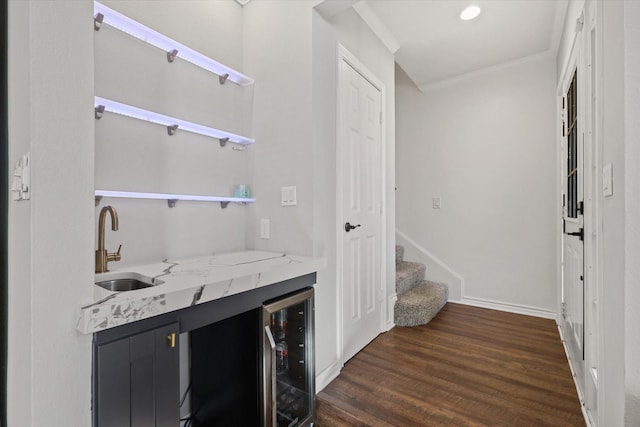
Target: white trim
x,y
508,307
376,25
428,87
343,55
587,420
327,375
391,304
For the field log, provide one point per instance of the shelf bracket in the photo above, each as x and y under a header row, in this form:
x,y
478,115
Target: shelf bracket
x,y
223,141
99,111
224,205
98,200
97,21
172,203
171,56
171,130
223,78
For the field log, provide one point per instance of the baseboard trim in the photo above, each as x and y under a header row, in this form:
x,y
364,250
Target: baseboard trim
x,y
587,420
510,308
329,374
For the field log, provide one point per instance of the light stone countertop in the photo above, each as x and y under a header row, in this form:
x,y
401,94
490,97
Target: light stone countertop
x,y
188,282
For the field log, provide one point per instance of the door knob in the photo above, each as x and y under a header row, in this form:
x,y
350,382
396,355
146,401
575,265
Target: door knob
x,y
348,227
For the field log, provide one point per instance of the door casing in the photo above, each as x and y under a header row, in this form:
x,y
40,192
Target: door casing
x,y
585,55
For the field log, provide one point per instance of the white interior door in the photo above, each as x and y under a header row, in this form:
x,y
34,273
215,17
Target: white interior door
x,y
573,276
361,182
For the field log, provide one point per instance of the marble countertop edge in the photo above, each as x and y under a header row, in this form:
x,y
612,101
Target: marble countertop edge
x,y
187,282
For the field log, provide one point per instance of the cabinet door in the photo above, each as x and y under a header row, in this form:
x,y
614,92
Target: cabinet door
x,y
111,389
138,380
166,378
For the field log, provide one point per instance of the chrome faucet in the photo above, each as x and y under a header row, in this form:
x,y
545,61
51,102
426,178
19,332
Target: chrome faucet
x,y
102,256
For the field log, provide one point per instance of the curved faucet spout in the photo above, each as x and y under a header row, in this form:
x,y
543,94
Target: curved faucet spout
x,y
102,256
114,224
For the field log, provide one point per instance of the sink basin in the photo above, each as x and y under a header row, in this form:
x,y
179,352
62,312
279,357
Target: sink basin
x,y
127,282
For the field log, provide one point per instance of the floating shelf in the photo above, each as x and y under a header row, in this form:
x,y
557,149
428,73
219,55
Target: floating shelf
x,y
171,123
170,198
173,49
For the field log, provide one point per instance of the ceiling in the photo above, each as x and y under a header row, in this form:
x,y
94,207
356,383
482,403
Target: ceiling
x,y
434,46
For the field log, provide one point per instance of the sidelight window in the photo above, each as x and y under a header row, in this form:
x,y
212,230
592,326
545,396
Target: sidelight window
x,y
572,147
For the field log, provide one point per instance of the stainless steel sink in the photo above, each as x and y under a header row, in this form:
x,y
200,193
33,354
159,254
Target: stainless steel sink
x,y
127,282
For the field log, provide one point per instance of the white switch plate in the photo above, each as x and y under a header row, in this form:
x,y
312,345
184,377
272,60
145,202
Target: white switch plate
x,y
21,182
289,196
265,229
436,202
607,180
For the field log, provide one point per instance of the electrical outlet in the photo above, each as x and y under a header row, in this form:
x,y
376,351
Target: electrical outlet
x,y
265,229
436,202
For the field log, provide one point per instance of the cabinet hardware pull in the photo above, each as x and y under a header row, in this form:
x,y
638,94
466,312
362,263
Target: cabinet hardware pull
x,y
171,340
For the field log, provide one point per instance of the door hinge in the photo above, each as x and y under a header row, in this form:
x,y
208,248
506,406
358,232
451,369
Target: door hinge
x,y
564,310
580,208
563,127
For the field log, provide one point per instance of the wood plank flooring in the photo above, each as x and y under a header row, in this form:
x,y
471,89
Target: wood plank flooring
x,y
468,367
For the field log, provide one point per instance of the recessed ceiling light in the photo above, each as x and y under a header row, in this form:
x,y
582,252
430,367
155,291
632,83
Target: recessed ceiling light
x,y
470,12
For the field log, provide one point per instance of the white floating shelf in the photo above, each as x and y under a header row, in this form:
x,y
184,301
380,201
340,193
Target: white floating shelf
x,y
171,198
103,14
103,104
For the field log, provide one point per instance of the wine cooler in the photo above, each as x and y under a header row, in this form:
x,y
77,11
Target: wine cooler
x,y
288,361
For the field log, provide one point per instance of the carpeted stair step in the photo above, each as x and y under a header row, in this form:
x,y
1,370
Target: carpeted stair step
x,y
420,304
408,274
399,254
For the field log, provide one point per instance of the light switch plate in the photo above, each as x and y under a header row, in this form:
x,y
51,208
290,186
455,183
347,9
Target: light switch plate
x,y
289,196
21,182
607,180
436,202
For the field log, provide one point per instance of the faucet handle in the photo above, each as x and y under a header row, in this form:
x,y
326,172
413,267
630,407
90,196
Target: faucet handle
x,y
115,256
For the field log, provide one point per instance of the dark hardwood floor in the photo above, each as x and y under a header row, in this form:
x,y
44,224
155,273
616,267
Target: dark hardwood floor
x,y
468,367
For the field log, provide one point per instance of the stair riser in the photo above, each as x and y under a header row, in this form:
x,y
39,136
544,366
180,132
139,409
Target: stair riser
x,y
421,304
408,275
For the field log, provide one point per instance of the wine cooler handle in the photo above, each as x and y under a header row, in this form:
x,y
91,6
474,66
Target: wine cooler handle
x,y
270,377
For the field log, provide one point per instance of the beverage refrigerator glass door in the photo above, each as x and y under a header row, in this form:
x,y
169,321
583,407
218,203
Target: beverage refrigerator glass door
x,y
288,361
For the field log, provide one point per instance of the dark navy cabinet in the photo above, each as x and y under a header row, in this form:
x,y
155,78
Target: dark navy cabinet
x,y
136,366
137,379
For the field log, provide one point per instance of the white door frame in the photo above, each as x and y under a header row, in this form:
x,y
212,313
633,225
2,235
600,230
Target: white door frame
x,y
588,39
344,55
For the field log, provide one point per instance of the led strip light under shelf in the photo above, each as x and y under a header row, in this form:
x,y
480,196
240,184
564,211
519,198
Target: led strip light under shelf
x,y
169,122
172,198
154,38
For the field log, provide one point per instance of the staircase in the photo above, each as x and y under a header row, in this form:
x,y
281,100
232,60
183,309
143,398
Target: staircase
x,y
419,300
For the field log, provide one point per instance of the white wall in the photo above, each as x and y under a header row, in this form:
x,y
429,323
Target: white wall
x,y
486,146
348,29
294,122
277,37
632,192
611,405
52,237
135,156
51,256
